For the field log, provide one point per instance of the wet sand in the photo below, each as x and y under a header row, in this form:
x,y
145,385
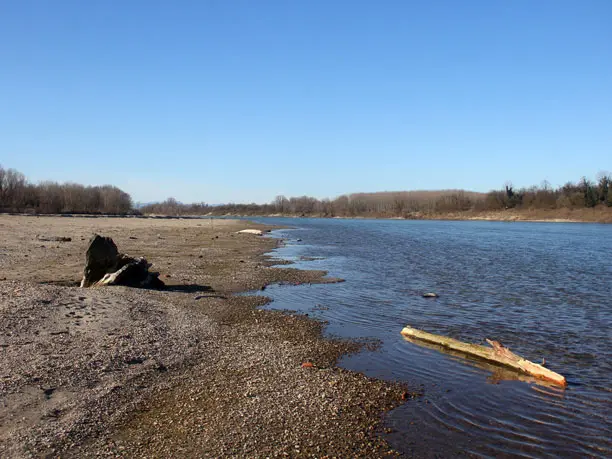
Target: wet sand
x,y
192,371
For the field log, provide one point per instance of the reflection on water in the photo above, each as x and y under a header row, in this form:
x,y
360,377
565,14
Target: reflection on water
x,y
543,290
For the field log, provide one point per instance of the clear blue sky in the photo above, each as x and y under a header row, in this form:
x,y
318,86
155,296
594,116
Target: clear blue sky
x,y
225,100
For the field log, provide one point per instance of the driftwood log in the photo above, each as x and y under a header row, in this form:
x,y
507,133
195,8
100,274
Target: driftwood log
x,y
250,231
497,353
53,238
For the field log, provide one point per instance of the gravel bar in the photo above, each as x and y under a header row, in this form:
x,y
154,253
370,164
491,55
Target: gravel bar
x,y
191,371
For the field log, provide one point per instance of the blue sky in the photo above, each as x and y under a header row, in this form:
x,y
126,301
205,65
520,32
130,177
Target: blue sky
x,y
223,100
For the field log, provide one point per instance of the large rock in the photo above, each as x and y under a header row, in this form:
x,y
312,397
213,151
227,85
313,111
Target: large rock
x,y
104,265
100,259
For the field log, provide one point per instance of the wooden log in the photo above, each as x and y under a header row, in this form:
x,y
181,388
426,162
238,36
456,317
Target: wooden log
x,y
497,353
250,231
53,238
498,372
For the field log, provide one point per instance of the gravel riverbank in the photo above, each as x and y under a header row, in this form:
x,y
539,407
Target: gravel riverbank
x,y
192,371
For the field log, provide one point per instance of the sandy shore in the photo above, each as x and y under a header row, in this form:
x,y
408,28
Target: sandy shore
x,y
192,371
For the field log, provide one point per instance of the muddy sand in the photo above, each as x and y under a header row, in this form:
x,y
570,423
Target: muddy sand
x,y
191,371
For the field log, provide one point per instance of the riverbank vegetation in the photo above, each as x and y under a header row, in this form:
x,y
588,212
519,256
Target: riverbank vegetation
x,y
582,200
578,196
17,194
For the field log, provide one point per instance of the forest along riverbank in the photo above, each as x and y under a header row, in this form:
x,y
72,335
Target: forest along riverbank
x,y
192,370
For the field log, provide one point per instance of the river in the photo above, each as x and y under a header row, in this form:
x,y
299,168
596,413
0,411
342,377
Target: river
x,y
542,289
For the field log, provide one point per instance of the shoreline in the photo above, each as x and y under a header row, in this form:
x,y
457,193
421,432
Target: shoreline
x,y
194,370
599,215
528,216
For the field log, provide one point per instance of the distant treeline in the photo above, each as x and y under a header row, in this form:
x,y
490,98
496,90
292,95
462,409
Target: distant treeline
x,y
584,193
387,204
411,204
17,194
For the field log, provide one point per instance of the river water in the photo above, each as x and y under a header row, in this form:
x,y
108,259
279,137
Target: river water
x,y
542,289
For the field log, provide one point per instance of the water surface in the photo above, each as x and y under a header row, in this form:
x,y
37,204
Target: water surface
x,y
542,289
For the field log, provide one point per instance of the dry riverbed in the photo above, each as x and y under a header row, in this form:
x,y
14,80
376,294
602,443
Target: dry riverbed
x,y
191,371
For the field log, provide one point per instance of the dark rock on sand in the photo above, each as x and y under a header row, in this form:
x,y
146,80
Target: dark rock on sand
x,y
100,259
104,265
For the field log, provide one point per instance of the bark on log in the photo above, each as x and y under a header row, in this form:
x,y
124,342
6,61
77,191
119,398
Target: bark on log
x,y
497,353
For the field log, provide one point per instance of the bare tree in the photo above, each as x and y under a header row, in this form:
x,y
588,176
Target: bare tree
x,y
281,204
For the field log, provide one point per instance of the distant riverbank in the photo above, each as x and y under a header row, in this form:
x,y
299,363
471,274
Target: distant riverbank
x,y
595,215
598,214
